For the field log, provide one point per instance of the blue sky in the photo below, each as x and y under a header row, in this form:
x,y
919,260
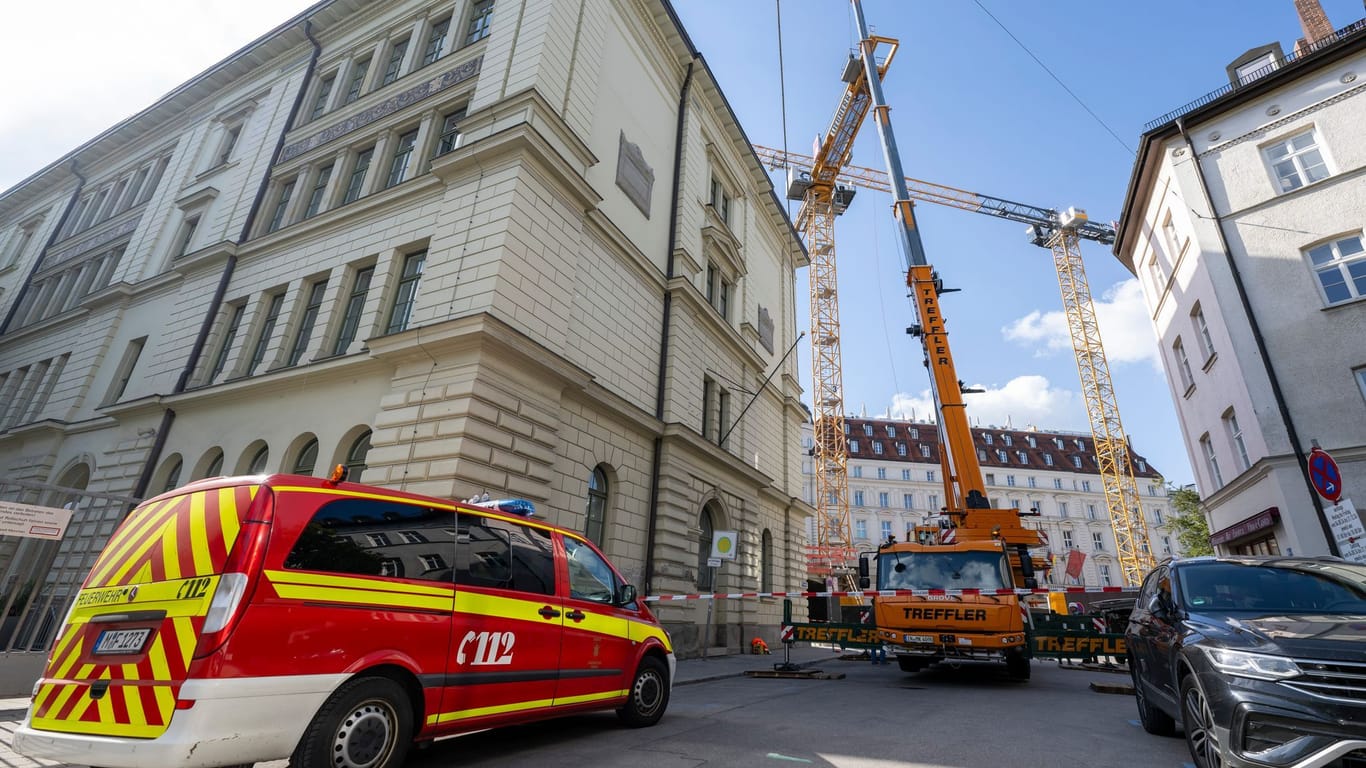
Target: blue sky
x,y
971,109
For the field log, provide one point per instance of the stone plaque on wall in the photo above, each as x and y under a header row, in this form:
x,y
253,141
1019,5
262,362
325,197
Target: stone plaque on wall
x,y
634,176
765,329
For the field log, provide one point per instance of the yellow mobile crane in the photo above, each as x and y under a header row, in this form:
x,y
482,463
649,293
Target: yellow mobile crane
x,y
1061,232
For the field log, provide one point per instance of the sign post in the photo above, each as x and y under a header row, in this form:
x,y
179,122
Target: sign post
x,y
723,547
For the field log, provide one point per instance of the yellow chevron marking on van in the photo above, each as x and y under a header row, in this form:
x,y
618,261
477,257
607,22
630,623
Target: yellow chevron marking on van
x,y
227,512
132,699
184,632
115,552
170,546
161,670
199,535
302,578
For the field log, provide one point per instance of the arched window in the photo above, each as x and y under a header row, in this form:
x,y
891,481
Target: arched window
x,y
173,475
215,465
704,538
766,562
595,517
308,458
355,457
258,461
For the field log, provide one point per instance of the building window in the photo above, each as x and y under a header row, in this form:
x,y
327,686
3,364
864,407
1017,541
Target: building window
x,y
1010,480
1014,503
766,562
1183,366
1340,266
1211,461
324,92
708,395
229,337
355,456
891,431
185,238
450,132
356,184
359,69
355,305
882,473
1142,465
436,40
981,454
704,545
853,446
1105,575
1360,374
908,500
1296,161
315,197
595,514
1157,517
1062,509
395,64
861,529
1032,482
989,478
307,459
310,316
877,447
1086,485
1048,459
905,474
125,369
1235,436
858,498
1057,483
1001,455
718,291
173,476
720,200
407,291
1091,512
1166,545
258,461
986,438
932,501
723,417
231,133
901,449
867,430
1081,444
403,152
858,470
924,451
1098,541
480,17
1008,440
19,240
1202,331
277,219
882,499
267,330
1022,457
1076,462
886,529
1067,538
929,475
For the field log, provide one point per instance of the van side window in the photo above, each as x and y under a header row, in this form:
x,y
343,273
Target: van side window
x,y
590,578
504,555
365,537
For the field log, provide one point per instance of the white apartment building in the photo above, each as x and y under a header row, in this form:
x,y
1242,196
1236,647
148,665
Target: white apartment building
x,y
518,247
896,482
1244,223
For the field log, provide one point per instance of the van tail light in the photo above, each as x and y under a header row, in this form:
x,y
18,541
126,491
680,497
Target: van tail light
x,y
239,577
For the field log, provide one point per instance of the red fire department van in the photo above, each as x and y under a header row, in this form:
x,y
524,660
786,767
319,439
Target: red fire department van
x,y
247,619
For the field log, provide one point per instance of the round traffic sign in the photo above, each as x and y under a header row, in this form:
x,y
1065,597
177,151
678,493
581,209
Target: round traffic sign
x,y
1325,475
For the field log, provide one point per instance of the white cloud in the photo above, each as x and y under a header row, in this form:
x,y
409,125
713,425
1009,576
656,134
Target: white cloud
x,y
1125,328
1024,400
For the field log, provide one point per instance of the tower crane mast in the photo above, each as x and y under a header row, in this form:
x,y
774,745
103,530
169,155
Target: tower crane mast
x,y
1060,232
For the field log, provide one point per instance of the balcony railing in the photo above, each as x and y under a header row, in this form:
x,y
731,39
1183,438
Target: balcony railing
x,y
1352,30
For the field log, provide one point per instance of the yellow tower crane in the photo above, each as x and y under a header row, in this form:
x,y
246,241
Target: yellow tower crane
x,y
1060,232
822,200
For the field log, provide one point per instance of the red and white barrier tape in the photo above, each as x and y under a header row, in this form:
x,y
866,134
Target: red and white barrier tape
x,y
892,593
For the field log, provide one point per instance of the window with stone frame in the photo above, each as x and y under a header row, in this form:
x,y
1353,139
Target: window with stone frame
x,y
355,77
393,66
405,295
283,195
17,244
481,17
1296,161
322,95
401,162
273,304
436,40
234,315
354,309
450,132
303,334
317,194
1340,269
360,168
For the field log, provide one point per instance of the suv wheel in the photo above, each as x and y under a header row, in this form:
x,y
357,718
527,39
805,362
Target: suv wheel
x,y
1154,720
1198,721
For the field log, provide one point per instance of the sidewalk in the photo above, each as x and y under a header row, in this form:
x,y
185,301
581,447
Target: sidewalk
x,y
690,671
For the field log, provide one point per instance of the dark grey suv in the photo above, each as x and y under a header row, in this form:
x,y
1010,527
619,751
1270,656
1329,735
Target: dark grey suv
x,y
1262,661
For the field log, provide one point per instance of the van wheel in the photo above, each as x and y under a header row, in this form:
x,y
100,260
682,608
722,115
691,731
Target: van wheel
x,y
366,723
1017,665
649,694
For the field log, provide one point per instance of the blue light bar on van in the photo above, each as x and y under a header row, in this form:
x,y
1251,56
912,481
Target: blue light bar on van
x,y
519,507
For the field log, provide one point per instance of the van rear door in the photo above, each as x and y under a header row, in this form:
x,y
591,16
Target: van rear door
x,y
121,657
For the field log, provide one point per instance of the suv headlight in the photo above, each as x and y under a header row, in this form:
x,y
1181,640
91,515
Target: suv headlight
x,y
1257,666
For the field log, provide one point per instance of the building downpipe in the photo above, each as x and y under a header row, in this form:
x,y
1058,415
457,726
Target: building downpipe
x,y
652,513
1274,380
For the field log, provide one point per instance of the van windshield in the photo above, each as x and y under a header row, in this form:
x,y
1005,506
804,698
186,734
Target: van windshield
x,y
941,570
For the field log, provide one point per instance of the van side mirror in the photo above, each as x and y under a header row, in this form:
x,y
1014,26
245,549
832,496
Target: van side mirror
x,y
626,594
863,580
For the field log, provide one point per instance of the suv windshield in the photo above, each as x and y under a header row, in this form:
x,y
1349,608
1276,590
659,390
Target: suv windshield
x,y
1287,587
941,570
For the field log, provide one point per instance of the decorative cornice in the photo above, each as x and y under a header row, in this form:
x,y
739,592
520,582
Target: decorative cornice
x,y
389,106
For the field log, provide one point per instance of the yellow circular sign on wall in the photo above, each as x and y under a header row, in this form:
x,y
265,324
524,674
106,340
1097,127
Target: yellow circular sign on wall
x,y
724,544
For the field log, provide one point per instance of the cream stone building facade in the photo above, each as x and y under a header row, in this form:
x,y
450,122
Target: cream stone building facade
x,y
896,483
518,247
1244,224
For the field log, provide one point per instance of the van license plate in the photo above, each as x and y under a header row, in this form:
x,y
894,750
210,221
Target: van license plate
x,y
926,639
121,641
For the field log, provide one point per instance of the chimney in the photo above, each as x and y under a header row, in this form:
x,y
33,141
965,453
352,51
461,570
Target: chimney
x,y
1315,24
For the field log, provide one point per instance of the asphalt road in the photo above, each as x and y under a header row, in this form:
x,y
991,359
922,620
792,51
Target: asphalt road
x,y
876,717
